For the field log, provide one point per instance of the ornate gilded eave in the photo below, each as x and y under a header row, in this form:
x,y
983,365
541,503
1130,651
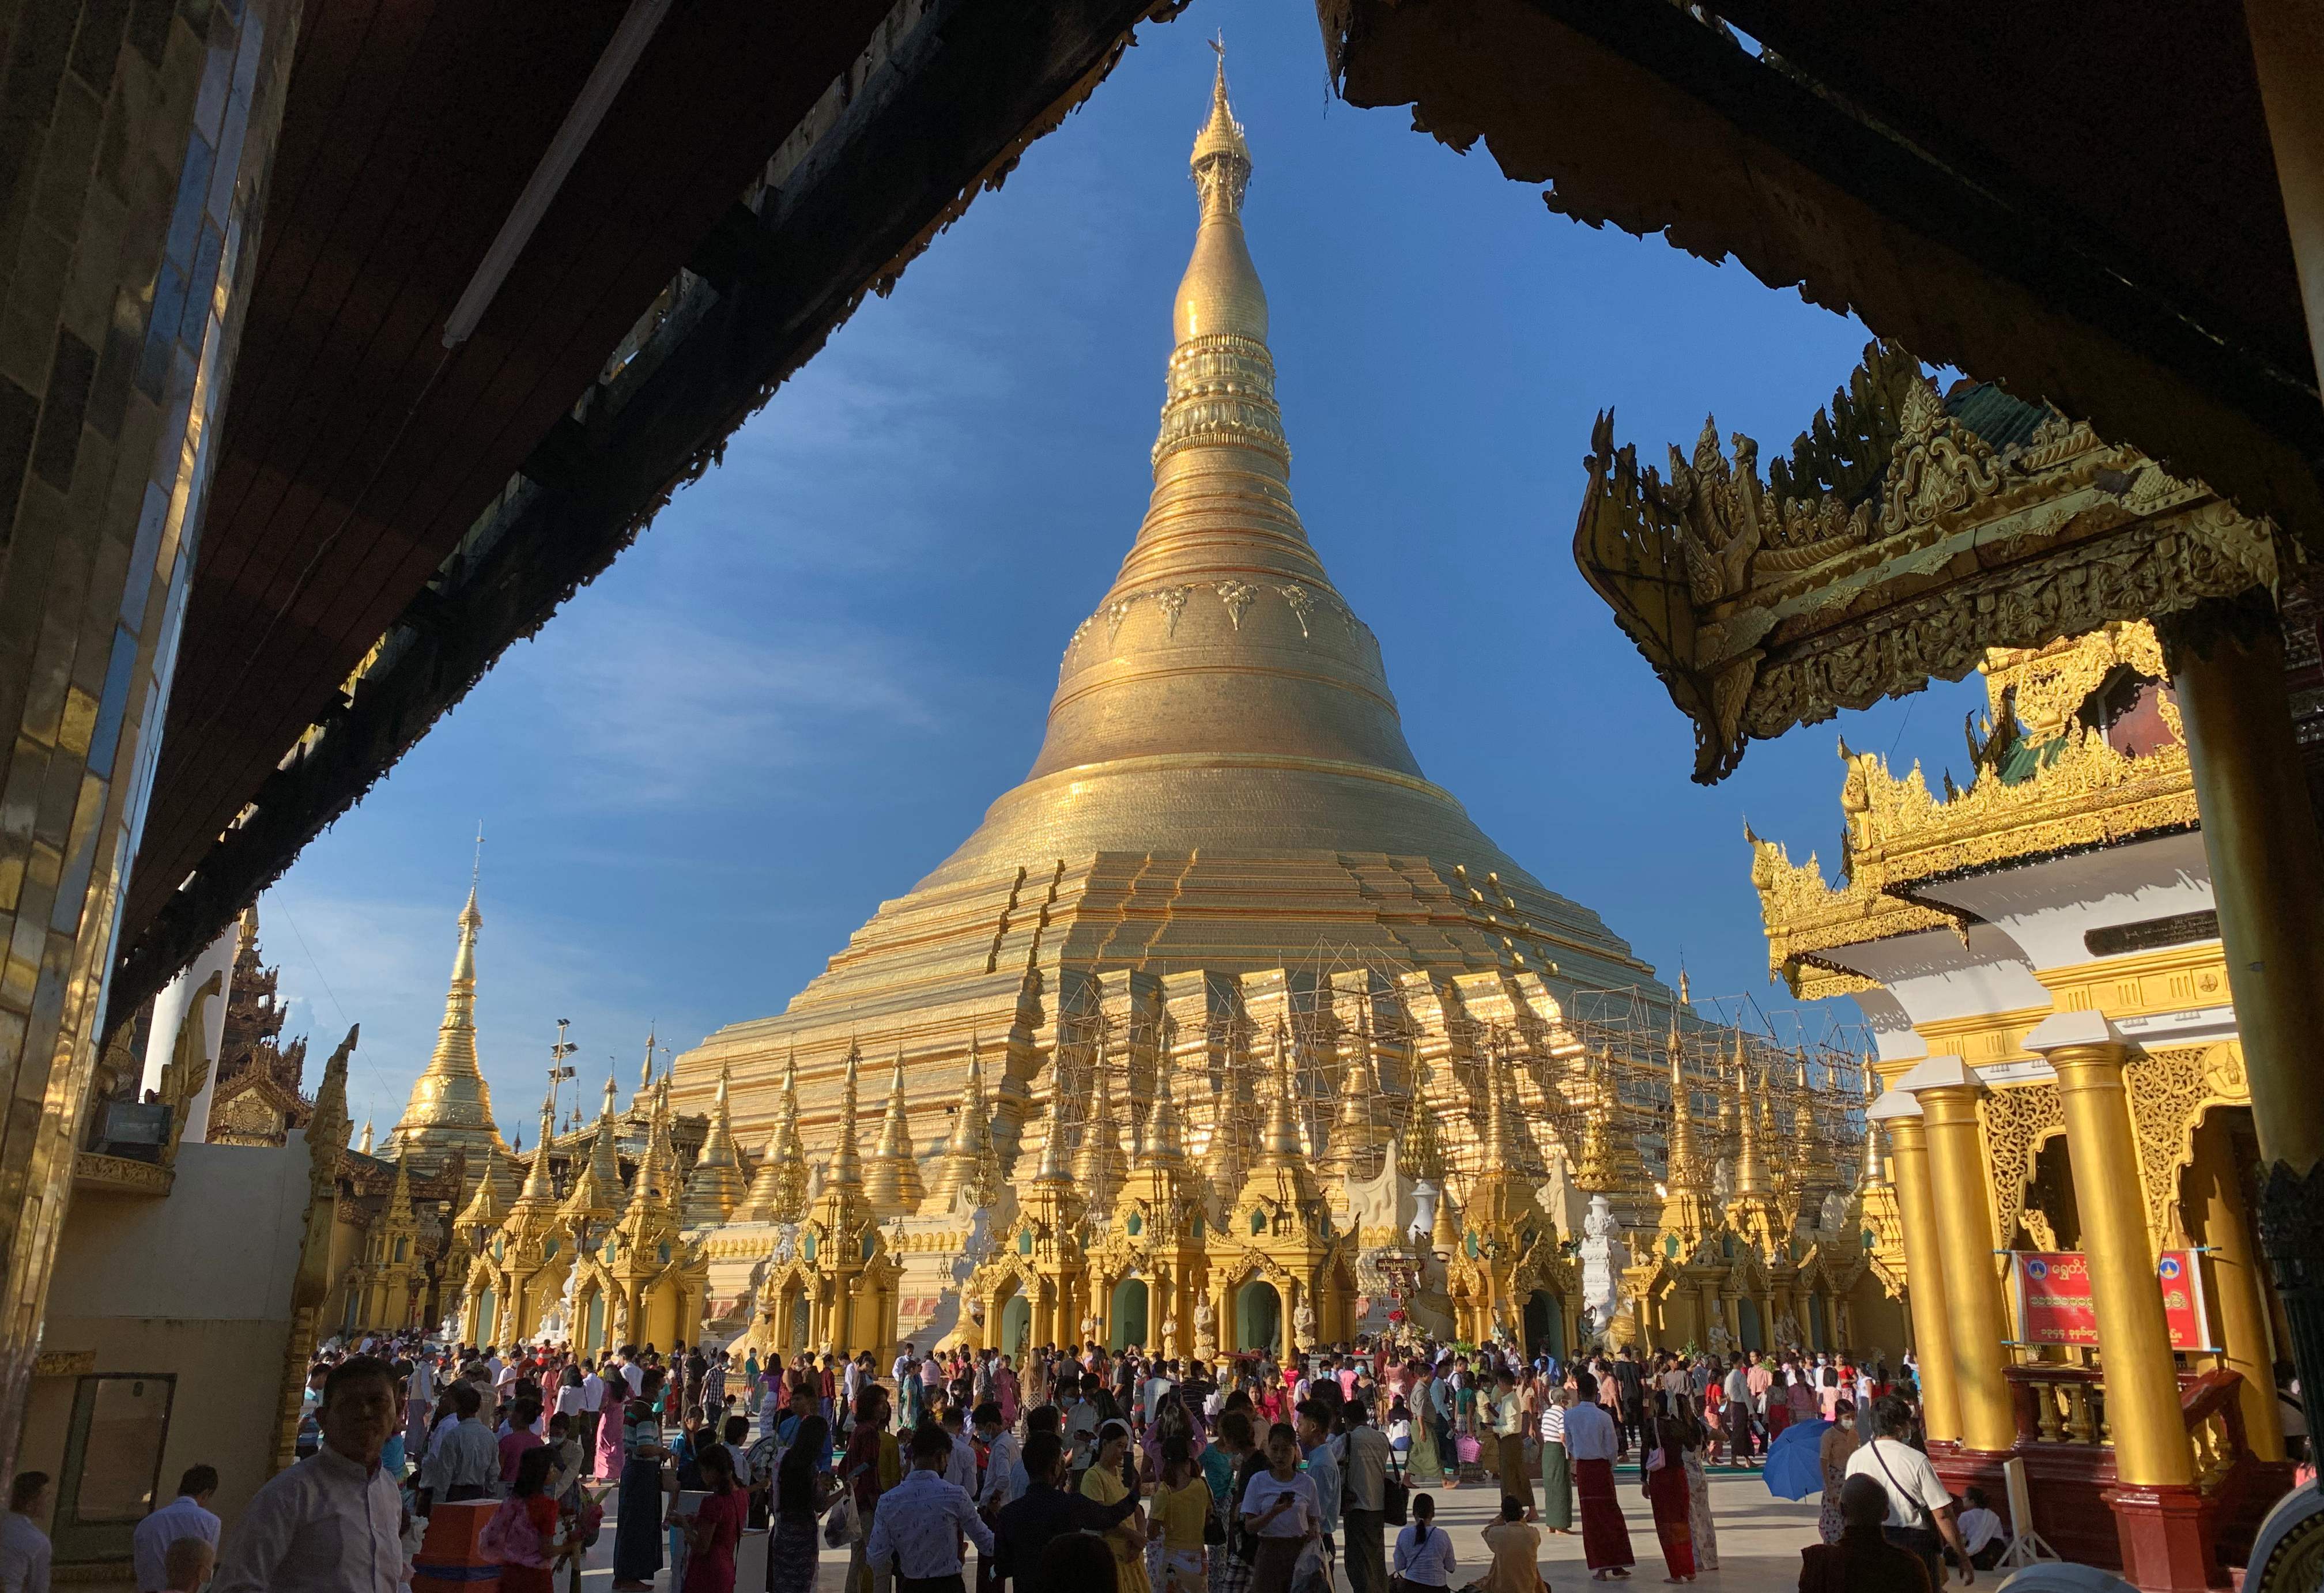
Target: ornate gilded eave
x,y
1836,584
1805,915
2080,792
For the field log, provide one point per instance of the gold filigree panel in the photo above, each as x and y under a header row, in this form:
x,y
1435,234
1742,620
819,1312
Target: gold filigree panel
x,y
2170,1089
2017,1121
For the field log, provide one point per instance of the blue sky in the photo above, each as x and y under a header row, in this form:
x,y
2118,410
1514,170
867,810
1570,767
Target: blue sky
x,y
804,685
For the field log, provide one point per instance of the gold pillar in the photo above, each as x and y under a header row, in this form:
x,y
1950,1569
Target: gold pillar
x,y
1924,1265
2267,884
2141,1382
2217,1184
1947,1088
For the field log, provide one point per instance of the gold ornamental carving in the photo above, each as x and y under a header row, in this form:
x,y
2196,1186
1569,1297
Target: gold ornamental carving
x,y
2170,1089
2017,1121
1767,605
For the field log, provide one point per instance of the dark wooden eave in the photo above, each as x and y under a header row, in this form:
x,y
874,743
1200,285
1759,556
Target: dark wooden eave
x,y
2082,209
759,279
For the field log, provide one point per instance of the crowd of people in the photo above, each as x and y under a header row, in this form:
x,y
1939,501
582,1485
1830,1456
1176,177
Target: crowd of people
x,y
1246,1474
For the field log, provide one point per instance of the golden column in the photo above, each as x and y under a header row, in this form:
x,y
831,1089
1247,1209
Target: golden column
x,y
2142,1381
2217,1183
2267,883
1924,1262
1947,1088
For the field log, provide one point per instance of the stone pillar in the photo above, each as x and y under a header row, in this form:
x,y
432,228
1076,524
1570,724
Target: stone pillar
x,y
2267,884
139,154
1947,1089
2216,1183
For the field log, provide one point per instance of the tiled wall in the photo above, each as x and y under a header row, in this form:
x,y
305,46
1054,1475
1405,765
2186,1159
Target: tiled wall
x,y
134,138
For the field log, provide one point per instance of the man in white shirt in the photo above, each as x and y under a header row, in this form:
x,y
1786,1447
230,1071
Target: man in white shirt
x,y
332,1524
960,1465
1593,1443
921,1521
1001,1454
23,1546
1737,1417
1920,1506
185,1516
464,1460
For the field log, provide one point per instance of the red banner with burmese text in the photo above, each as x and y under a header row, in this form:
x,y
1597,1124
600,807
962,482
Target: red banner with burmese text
x,y
2054,1304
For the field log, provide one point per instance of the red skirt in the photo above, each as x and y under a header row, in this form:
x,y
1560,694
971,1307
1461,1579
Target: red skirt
x,y
1779,1416
1667,1491
1605,1535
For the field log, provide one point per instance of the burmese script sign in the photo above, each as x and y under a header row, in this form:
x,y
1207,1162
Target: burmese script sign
x,y
2054,1304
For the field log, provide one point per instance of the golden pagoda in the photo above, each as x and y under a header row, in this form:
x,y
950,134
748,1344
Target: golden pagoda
x,y
451,1106
1224,787
716,1185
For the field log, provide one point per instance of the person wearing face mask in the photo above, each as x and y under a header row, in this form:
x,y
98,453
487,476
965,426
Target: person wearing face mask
x,y
1832,1453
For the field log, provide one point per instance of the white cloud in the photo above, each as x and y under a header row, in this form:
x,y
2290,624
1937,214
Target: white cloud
x,y
644,708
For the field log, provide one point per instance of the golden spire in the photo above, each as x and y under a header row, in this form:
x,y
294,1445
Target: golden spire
x,y
539,1188
1220,292
1750,1170
399,1198
1279,1146
450,1105
1161,1146
1098,1162
1502,1155
893,1184
1594,1171
481,1215
846,1169
779,1189
365,1146
714,1186
1355,1137
1683,1163
1419,1150
970,1167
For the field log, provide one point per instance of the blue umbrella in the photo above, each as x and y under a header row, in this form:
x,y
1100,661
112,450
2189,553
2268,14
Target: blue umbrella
x,y
1793,1470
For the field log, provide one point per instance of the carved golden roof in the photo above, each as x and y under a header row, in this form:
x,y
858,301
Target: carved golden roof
x,y
1897,545
2070,789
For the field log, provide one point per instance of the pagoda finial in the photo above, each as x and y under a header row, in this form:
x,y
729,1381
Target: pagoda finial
x,y
846,1170
450,1107
893,1185
714,1186
364,1146
538,1184
1098,1161
1281,1145
777,1191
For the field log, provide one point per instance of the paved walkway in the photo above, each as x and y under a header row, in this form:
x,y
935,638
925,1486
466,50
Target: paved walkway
x,y
1759,1541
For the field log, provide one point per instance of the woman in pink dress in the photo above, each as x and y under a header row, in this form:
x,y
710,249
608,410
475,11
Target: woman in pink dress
x,y
1004,1394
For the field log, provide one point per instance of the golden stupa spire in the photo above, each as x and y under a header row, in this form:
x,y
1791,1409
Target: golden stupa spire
x,y
1687,1210
715,1185
1279,1146
846,1169
970,1167
450,1105
892,1184
1751,1168
399,1198
364,1146
1355,1136
481,1215
1162,1146
1594,1169
1098,1163
1503,1155
778,1192
539,1188
1419,1151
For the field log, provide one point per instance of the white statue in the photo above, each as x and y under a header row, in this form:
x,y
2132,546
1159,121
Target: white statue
x,y
1719,1339
1835,1218
786,1243
1303,1322
1604,1257
1787,1331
